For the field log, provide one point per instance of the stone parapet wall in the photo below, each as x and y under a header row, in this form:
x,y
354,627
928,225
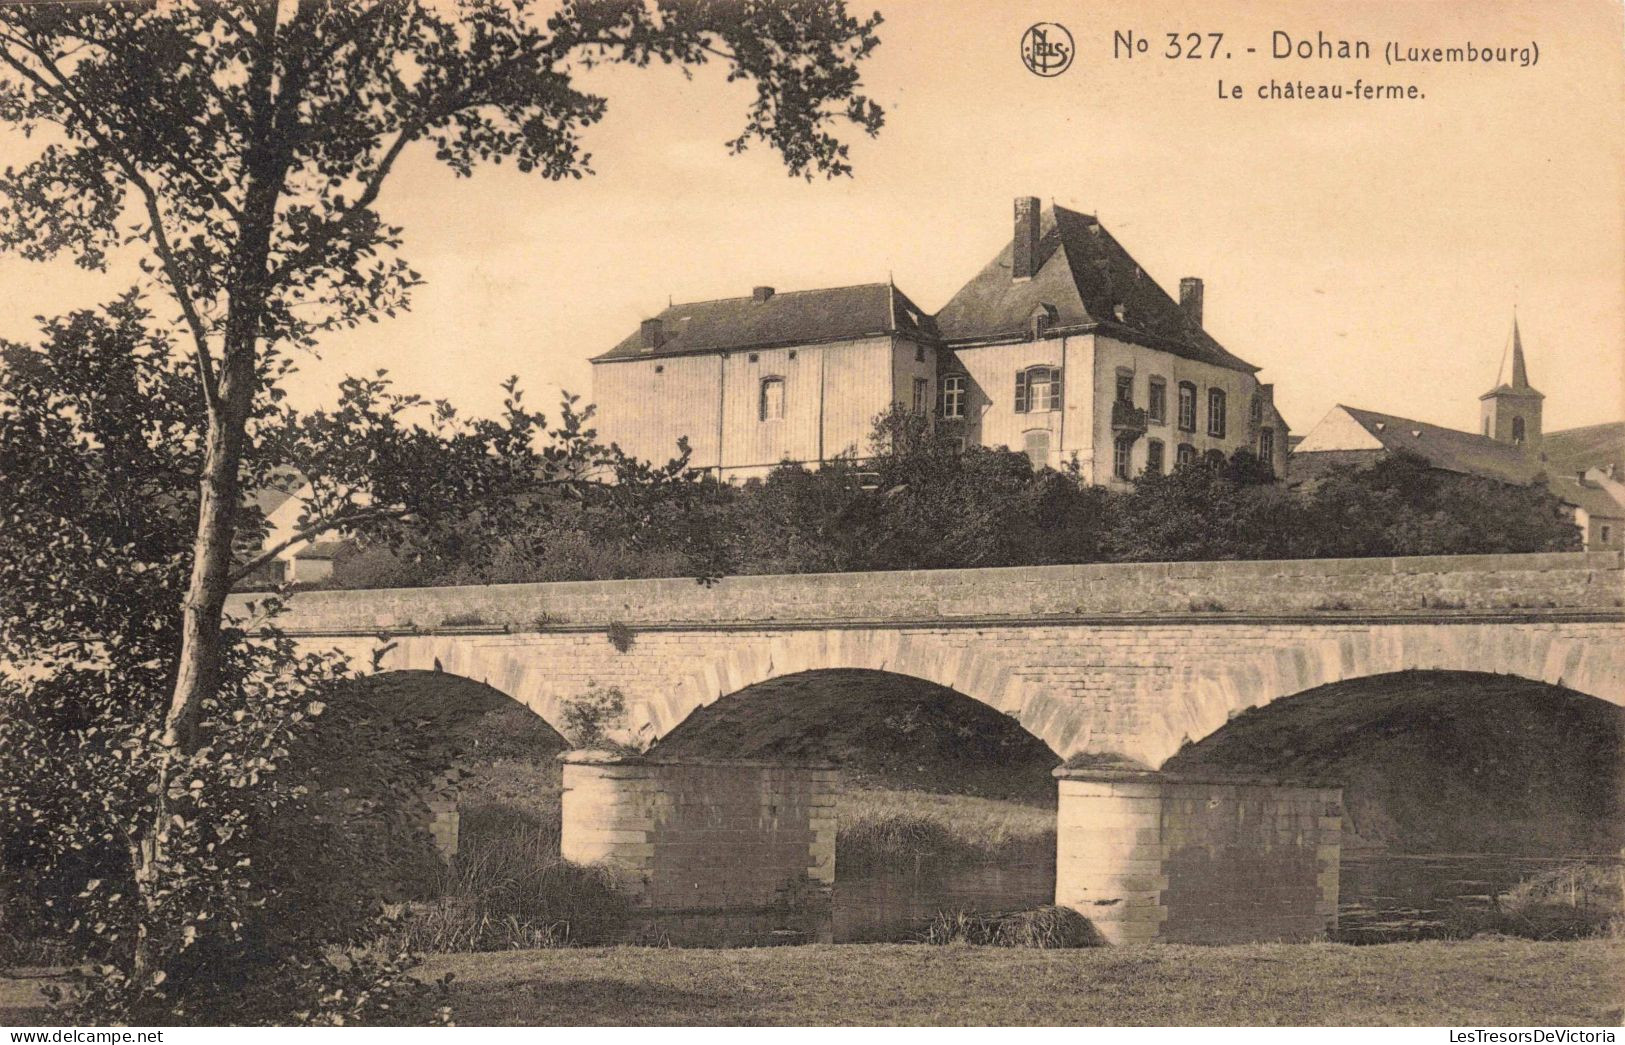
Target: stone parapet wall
x,y
708,852
1430,586
1153,858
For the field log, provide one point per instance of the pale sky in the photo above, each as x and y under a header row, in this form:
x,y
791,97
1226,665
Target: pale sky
x,y
1360,252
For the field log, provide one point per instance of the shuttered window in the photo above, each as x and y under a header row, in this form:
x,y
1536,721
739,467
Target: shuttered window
x,y
1215,413
1038,388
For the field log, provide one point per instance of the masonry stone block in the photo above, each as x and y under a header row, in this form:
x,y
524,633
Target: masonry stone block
x,y
1216,861
732,852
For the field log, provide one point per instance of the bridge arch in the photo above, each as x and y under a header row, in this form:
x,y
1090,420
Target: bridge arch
x,y
1208,696
976,673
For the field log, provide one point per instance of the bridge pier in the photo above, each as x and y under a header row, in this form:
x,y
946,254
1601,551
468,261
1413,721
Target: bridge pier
x,y
709,853
1158,858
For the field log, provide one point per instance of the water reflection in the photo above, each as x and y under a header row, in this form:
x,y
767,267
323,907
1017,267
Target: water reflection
x,y
1384,897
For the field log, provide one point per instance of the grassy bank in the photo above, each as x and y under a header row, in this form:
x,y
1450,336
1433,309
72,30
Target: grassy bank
x,y
1487,982
1480,982
881,829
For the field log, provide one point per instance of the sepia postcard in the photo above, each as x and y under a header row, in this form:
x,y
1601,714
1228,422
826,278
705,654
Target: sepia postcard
x,y
807,513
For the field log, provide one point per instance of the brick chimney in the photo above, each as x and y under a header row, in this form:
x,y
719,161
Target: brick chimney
x,y
651,334
761,294
1024,259
1190,298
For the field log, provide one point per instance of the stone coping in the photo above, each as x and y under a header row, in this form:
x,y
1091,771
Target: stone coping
x,y
1464,587
591,757
1153,776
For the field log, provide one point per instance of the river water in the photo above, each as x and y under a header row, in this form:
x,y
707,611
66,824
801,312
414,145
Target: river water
x,y
1383,897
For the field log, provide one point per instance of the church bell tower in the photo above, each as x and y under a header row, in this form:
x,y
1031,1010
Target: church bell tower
x,y
1511,410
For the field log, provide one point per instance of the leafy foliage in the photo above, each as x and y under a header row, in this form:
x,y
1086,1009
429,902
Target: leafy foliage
x,y
918,502
593,719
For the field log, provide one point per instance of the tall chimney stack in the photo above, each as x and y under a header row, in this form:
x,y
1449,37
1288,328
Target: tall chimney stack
x,y
1190,298
651,334
1024,260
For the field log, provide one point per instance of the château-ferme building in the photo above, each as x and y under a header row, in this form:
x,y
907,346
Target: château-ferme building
x,y
1062,347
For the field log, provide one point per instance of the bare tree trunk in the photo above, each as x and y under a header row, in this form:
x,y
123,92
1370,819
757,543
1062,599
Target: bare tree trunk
x,y
202,610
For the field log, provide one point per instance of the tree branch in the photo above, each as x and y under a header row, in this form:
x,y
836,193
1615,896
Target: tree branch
x,y
166,255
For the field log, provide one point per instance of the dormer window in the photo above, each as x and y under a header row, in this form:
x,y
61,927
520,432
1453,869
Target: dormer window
x,y
1040,322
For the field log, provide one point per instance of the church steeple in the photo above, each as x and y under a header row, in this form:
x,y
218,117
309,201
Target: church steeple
x,y
1520,375
1511,410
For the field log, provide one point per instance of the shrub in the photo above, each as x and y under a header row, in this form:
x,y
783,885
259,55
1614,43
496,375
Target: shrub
x,y
1042,928
592,719
621,636
263,878
508,889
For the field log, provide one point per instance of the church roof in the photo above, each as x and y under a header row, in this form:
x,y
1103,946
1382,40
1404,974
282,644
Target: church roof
x,y
796,317
1449,449
1576,449
1083,276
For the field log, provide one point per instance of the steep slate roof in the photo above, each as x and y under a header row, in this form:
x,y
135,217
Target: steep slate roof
x,y
788,318
1576,449
1450,449
1083,274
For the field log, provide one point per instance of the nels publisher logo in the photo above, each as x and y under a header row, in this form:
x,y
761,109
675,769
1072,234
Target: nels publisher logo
x,y
1046,49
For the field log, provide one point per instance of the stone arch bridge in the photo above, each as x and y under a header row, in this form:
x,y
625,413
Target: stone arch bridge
x,y
1128,659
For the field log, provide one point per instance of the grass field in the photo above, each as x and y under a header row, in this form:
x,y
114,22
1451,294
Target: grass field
x,y
1484,982
1487,982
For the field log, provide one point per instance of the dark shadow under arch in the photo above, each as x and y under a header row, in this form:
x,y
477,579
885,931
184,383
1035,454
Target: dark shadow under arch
x,y
1442,761
883,728
463,711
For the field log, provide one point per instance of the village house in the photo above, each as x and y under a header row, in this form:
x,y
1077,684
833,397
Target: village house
x,y
1580,466
1062,347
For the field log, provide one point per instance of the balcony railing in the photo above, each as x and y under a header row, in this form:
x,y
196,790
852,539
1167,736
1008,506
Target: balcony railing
x,y
1128,419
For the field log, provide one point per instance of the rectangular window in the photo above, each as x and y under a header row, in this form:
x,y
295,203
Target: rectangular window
x,y
1255,409
772,402
922,395
1153,457
1266,444
1125,388
953,396
1038,389
1215,412
1156,409
1605,534
1036,444
1122,454
1186,454
1187,407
